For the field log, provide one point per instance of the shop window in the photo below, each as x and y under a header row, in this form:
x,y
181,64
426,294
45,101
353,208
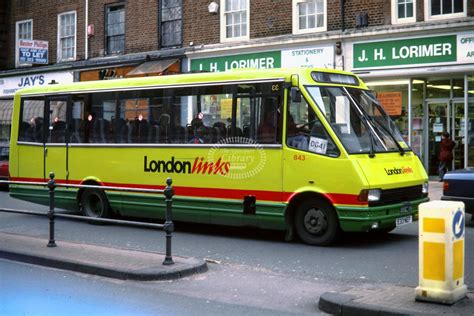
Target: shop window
x,y
67,36
115,30
403,11
24,31
6,110
418,97
171,23
458,87
470,121
438,89
234,20
445,9
393,97
309,16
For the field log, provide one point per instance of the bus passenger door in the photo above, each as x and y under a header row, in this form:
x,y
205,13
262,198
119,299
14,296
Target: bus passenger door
x,y
56,150
31,141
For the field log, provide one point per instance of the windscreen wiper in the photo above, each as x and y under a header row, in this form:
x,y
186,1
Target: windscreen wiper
x,y
364,118
400,148
372,145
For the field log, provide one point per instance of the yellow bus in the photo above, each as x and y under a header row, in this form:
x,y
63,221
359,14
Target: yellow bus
x,y
308,151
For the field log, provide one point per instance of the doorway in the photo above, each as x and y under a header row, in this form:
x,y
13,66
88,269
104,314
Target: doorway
x,y
443,116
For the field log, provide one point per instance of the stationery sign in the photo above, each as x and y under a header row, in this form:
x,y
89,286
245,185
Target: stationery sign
x,y
32,52
310,57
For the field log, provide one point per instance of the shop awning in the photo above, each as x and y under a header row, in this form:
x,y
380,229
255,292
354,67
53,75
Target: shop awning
x,y
155,68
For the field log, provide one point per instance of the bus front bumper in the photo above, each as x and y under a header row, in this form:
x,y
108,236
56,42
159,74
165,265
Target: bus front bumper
x,y
386,217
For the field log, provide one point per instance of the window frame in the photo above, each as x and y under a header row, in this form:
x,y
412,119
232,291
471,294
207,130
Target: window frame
x,y
106,36
60,58
223,24
296,19
162,22
17,49
41,132
396,19
429,17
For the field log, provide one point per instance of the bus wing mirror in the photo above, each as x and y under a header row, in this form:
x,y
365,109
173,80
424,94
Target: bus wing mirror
x,y
295,95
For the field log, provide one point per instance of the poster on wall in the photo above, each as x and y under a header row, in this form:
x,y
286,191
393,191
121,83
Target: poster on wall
x,y
438,127
391,102
33,52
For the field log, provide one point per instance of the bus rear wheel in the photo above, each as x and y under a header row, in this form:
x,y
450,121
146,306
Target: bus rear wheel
x,y
94,203
316,223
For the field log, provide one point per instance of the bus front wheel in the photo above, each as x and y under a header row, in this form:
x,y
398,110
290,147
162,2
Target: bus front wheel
x,y
316,223
94,203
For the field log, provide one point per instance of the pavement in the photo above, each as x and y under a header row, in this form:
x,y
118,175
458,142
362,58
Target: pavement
x,y
367,299
390,299
98,260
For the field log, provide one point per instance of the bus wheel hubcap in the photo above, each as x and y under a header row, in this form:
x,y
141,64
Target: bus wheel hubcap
x,y
315,222
95,205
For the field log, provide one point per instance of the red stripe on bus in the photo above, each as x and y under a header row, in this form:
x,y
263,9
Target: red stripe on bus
x,y
235,194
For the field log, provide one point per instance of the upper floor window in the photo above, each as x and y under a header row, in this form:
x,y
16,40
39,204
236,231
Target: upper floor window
x,y
24,31
171,23
309,16
403,11
235,20
444,9
115,30
67,36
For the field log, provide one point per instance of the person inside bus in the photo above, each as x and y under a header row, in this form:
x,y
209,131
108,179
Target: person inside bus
x,y
295,137
198,131
266,130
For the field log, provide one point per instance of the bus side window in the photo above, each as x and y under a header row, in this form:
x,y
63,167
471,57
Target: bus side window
x,y
32,117
57,121
305,131
268,123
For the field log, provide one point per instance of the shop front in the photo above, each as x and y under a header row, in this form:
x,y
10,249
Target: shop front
x,y
144,69
426,84
10,84
314,56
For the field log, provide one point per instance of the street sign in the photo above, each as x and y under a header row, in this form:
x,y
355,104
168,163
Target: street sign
x,y
458,224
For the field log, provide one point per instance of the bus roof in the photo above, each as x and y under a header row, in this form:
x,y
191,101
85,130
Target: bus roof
x,y
304,77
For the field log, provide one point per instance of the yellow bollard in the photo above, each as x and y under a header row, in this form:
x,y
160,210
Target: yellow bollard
x,y
441,252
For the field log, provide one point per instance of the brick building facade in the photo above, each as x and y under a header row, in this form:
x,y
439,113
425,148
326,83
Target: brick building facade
x,y
269,20
393,45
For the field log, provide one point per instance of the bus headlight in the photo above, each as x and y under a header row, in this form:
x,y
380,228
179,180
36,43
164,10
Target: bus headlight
x,y
425,188
372,195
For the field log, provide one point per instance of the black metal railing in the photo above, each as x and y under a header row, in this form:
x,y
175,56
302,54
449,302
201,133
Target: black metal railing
x,y
167,227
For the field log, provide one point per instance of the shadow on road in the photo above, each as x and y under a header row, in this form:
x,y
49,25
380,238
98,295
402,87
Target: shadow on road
x,y
346,240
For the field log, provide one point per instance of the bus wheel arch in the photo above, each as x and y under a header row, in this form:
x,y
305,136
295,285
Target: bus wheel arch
x,y
93,202
313,218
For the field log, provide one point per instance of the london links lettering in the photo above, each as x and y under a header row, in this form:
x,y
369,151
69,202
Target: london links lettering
x,y
200,166
396,170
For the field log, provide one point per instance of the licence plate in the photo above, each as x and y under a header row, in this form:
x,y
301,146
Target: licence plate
x,y
404,220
